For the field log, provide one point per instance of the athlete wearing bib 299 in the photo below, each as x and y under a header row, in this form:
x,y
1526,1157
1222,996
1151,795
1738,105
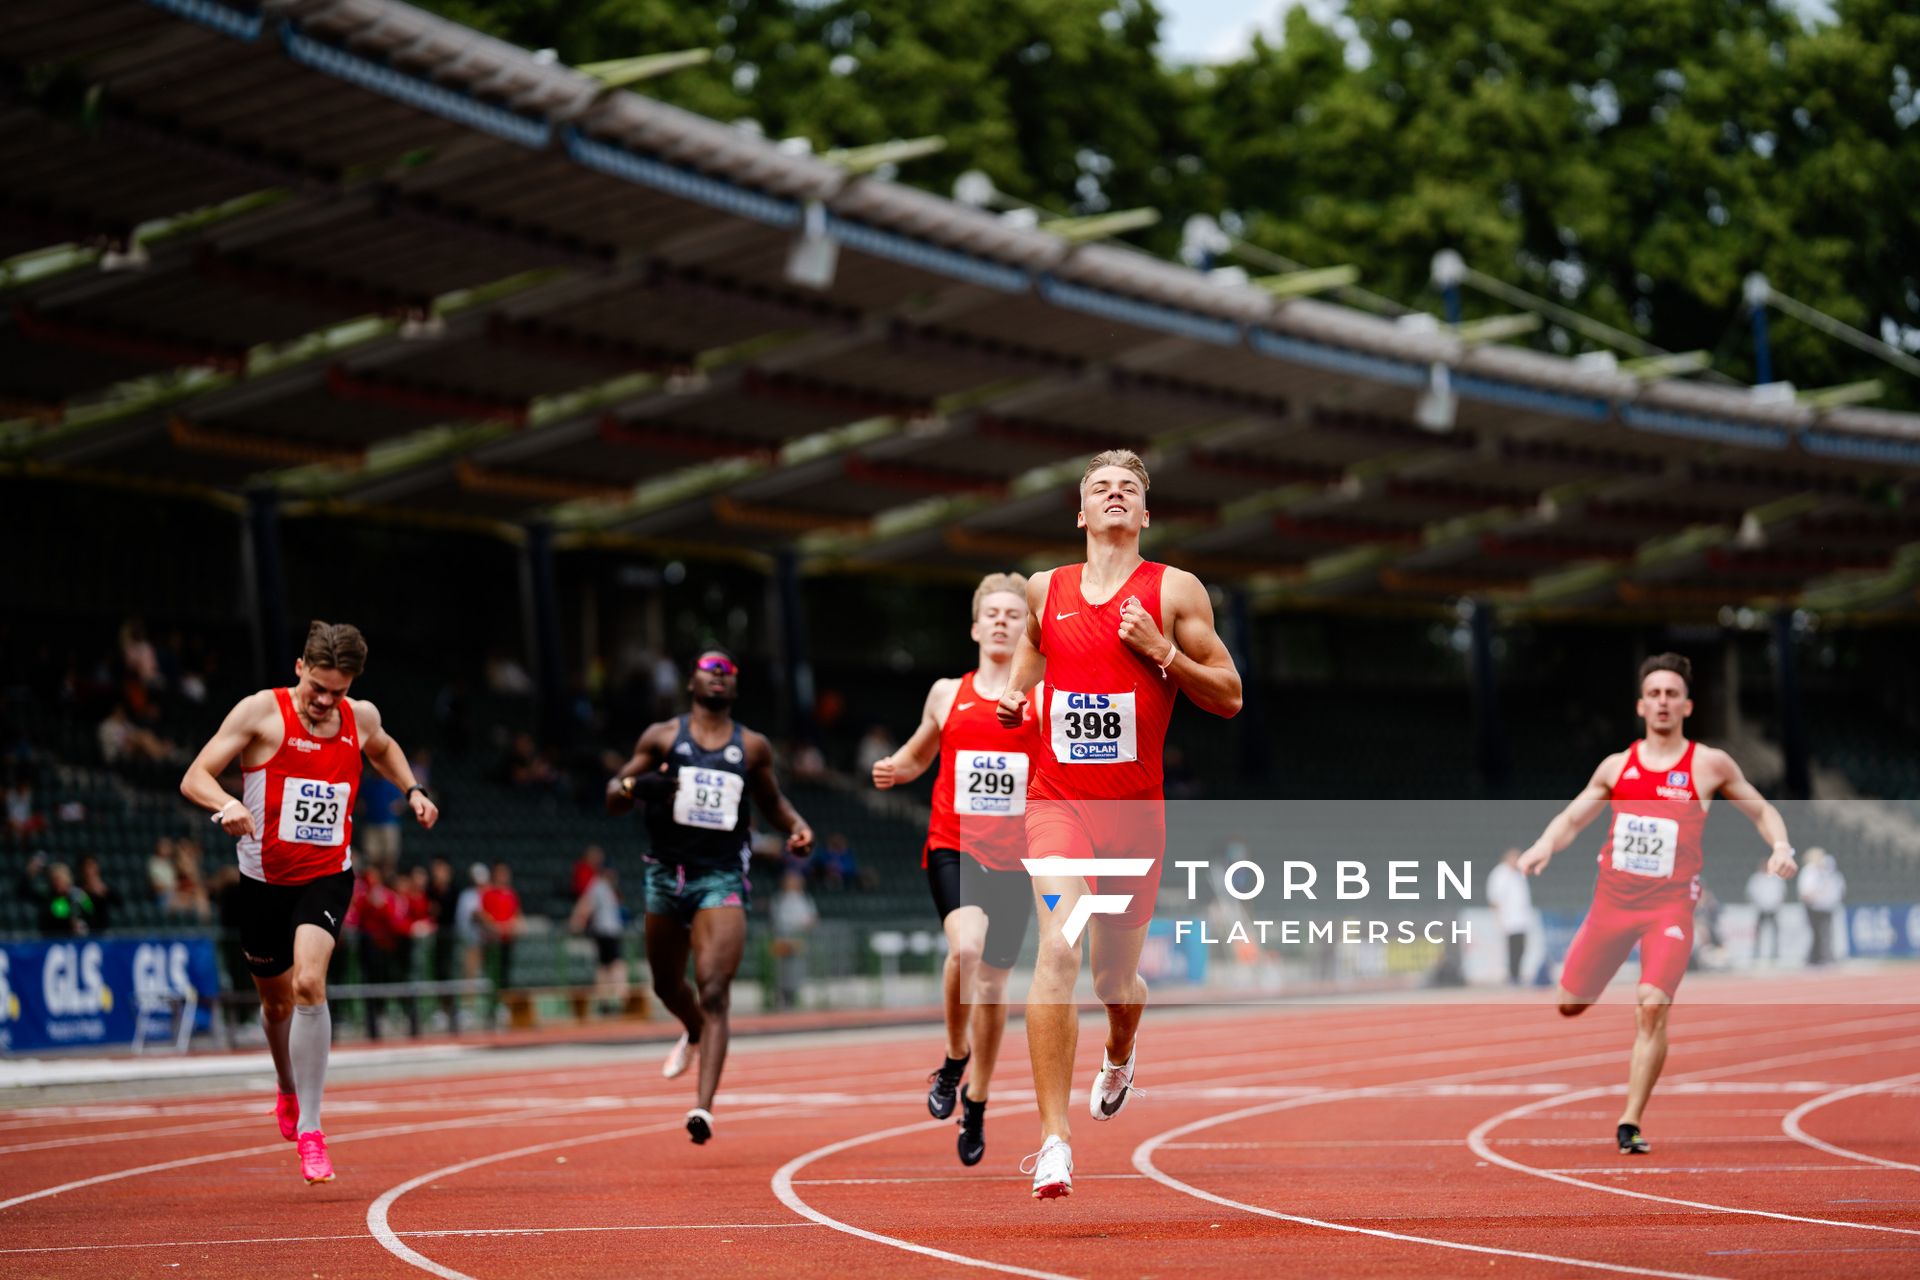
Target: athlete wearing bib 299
x,y
693,775
1658,792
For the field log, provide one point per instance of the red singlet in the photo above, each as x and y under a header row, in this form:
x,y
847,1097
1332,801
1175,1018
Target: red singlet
x,y
980,796
302,802
1105,708
1652,851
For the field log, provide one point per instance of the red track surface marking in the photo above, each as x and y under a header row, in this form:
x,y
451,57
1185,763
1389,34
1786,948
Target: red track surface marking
x,y
1875,1126
1342,1152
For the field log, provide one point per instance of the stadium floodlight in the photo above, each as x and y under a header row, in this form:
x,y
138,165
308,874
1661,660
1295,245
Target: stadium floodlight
x,y
1449,269
1228,277
815,254
1756,290
1435,409
1772,393
1202,241
1022,217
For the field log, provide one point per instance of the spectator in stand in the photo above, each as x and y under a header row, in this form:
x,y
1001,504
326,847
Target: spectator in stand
x,y
162,874
377,830
1767,893
189,896
380,914
809,764
64,907
413,890
794,917
443,902
1822,891
587,867
834,865
876,744
93,883
137,656
597,914
21,818
1511,898
527,766
123,741
468,922
501,918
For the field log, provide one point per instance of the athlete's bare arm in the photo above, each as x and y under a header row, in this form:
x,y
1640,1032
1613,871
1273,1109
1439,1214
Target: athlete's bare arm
x,y
1569,821
1029,664
766,794
384,754
649,754
1194,658
202,781
923,748
1725,778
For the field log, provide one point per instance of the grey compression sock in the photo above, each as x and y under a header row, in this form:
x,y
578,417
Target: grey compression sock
x,y
307,1046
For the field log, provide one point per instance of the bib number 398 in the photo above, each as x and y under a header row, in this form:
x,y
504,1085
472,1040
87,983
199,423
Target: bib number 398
x,y
708,798
1644,846
314,812
1094,728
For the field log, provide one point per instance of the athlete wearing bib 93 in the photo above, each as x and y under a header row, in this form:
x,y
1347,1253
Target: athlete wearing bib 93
x,y
697,829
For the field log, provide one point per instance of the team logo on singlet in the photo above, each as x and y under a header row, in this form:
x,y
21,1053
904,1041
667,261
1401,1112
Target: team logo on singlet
x,y
1678,778
303,744
732,755
1633,771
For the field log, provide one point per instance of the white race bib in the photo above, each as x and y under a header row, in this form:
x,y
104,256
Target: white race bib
x,y
708,799
1094,728
1645,846
315,812
989,784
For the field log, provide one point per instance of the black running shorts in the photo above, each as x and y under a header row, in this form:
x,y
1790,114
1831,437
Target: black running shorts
x,y
270,913
1006,896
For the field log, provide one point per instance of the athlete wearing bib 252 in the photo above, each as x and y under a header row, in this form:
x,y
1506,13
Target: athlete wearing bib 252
x,y
1649,880
698,834
1656,795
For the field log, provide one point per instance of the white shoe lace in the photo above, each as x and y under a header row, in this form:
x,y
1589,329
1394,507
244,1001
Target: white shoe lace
x,y
1115,1080
1059,1150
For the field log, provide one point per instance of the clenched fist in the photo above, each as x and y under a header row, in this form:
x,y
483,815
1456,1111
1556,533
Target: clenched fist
x,y
1139,633
1012,708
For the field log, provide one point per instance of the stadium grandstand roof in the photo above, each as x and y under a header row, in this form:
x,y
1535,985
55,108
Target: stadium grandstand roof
x,y
369,257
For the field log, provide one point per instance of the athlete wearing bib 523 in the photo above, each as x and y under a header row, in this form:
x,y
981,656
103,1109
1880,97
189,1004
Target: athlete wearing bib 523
x,y
976,838
693,775
299,751
1658,792
1116,638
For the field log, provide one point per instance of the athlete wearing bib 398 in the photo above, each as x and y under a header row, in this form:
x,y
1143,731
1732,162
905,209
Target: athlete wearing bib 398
x,y
976,838
299,751
1657,793
1116,638
693,775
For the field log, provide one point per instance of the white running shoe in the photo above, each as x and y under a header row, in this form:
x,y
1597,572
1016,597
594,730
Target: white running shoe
x,y
1052,1169
680,1059
1113,1086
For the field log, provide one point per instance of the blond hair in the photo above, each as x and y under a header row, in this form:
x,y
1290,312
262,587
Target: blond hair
x,y
337,646
994,583
1117,458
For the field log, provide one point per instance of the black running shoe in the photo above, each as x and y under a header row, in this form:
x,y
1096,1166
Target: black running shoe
x,y
699,1125
973,1131
943,1087
1631,1143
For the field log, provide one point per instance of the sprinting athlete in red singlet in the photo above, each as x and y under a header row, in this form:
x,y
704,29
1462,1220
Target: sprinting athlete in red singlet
x,y
299,752
975,841
1116,639
1659,789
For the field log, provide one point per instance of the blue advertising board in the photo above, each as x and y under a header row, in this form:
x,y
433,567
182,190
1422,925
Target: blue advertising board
x,y
1884,930
85,991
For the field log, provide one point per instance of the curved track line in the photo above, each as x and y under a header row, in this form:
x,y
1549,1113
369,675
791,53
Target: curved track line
x,y
1143,1161
1790,1124
1477,1142
377,1212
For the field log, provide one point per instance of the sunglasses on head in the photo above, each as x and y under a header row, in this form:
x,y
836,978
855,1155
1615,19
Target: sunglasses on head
x,y
718,665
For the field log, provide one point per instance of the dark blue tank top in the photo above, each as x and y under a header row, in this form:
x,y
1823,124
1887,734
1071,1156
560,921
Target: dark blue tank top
x,y
703,821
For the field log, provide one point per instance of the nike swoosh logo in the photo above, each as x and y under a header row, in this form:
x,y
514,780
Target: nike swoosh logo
x,y
1058,616
328,915
965,705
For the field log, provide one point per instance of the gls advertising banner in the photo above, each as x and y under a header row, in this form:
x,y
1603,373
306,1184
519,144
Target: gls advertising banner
x,y
86,992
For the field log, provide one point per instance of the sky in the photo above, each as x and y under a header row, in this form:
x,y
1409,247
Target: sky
x,y
1222,30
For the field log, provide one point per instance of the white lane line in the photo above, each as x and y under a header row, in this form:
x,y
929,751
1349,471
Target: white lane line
x,y
446,1231
1792,1126
1477,1141
378,1212
1143,1154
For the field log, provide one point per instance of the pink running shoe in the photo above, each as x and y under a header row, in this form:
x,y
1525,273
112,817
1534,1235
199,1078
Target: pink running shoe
x,y
315,1166
286,1109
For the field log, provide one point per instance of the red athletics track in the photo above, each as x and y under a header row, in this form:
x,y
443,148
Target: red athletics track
x,y
1431,1137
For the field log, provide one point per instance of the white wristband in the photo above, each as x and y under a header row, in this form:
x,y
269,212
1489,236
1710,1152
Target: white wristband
x,y
1173,651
